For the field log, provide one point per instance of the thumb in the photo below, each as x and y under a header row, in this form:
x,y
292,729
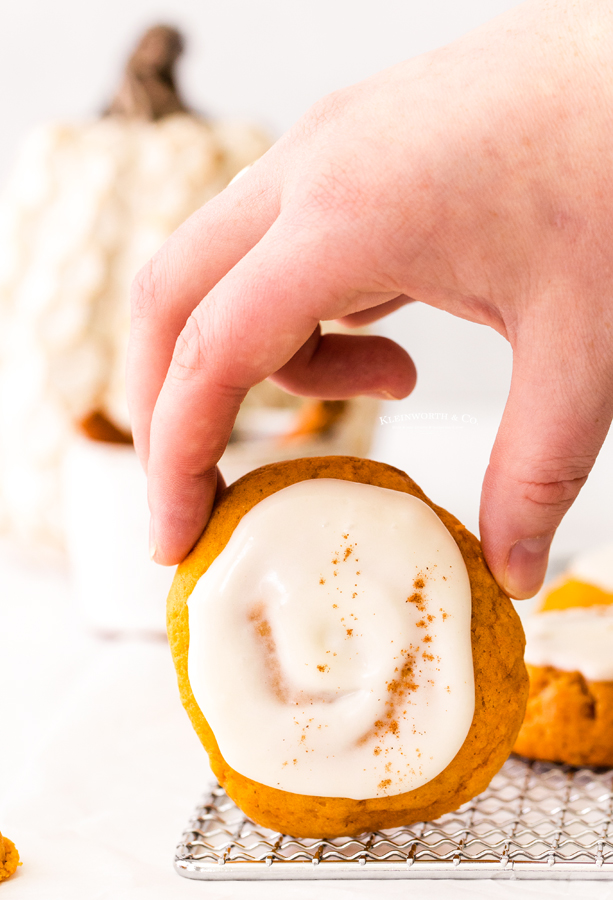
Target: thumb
x,y
557,416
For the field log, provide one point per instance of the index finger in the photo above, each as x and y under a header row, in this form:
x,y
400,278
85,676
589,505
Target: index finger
x,y
262,317
181,273
249,326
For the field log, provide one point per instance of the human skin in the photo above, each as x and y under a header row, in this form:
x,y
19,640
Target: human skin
x,y
478,179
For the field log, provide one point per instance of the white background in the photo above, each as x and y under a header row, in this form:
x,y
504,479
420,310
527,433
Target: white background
x,y
266,61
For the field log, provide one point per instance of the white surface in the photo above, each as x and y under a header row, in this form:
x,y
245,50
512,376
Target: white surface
x,y
101,770
95,746
100,767
308,604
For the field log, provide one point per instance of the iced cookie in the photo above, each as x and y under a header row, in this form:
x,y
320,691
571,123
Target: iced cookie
x,y
569,656
343,651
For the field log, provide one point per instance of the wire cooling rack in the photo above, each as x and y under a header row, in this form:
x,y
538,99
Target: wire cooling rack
x,y
535,820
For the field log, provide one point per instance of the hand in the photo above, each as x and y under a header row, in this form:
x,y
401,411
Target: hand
x,y
478,179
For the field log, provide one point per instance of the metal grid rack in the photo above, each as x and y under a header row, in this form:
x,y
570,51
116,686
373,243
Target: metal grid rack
x,y
535,820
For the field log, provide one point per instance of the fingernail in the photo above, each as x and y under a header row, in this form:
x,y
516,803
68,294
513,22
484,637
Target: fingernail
x,y
527,566
152,544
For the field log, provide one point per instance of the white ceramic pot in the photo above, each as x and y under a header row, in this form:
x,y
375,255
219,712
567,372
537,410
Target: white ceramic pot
x,y
117,587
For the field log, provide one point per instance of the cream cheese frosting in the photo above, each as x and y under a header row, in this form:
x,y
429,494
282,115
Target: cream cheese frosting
x,y
574,640
330,642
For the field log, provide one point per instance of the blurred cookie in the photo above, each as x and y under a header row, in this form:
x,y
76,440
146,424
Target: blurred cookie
x,y
9,858
569,657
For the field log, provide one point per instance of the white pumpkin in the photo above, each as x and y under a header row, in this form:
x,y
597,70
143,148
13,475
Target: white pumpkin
x,y
87,204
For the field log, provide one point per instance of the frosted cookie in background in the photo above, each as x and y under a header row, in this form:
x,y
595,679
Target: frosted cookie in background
x,y
569,657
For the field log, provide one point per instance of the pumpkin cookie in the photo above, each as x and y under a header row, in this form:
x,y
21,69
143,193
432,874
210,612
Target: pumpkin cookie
x,y
9,858
569,657
343,651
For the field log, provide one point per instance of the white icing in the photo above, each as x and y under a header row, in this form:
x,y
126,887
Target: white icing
x,y
579,639
301,627
594,567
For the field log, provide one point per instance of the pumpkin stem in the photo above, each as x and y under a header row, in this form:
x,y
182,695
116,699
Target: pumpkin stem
x,y
148,90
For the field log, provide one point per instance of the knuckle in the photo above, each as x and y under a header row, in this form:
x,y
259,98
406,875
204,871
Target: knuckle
x,y
194,356
145,291
329,204
555,495
332,185
558,491
191,350
323,113
336,188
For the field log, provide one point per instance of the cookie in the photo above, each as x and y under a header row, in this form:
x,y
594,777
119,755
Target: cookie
x,y
569,657
343,652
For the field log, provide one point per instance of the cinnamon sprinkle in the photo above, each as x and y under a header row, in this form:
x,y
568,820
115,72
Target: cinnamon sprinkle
x,y
261,625
398,689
